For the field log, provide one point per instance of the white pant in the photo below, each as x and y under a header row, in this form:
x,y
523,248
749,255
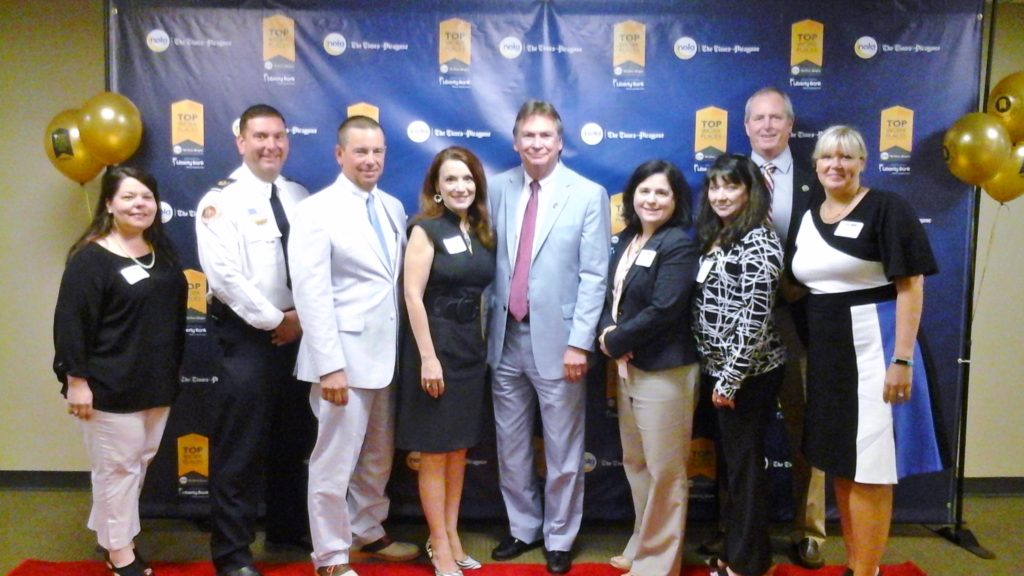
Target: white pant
x,y
120,448
348,471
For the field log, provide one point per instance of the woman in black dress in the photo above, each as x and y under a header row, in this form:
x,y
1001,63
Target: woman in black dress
x,y
863,254
118,334
448,262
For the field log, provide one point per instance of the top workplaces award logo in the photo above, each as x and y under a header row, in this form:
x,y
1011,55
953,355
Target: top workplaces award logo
x,y
454,52
279,50
806,55
187,134
710,134
896,140
629,55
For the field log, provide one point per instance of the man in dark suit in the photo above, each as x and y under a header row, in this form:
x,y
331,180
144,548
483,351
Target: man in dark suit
x,y
768,120
552,227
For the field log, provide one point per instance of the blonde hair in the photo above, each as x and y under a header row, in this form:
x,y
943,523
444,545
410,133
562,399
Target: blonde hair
x,y
840,137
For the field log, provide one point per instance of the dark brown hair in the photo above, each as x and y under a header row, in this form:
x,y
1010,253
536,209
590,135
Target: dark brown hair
x,y
479,218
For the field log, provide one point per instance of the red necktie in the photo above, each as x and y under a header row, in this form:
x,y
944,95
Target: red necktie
x,y
769,179
518,301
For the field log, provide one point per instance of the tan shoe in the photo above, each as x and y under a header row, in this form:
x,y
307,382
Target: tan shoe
x,y
387,549
336,570
621,563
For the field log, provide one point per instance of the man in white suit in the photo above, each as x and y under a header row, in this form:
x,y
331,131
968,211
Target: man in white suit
x,y
346,254
553,234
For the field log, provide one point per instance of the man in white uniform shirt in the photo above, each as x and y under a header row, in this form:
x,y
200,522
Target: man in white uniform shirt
x,y
261,424
346,257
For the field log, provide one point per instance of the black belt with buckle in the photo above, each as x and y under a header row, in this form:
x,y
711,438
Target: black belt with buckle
x,y
462,309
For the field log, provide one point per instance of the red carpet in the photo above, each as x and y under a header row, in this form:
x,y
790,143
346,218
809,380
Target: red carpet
x,y
40,568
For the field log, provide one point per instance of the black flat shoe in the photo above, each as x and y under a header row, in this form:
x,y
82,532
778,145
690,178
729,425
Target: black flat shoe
x,y
512,547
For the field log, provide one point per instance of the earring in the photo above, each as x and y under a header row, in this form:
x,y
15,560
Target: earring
x,y
437,198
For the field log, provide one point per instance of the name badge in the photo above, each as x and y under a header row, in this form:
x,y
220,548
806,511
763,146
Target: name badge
x,y
645,258
705,269
455,245
849,229
134,273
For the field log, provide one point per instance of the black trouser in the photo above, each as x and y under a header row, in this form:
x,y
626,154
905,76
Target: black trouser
x,y
262,431
742,431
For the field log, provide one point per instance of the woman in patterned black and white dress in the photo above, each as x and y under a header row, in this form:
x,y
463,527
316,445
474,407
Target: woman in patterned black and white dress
x,y
863,254
741,351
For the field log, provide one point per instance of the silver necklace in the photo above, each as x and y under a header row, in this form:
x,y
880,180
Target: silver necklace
x,y
133,258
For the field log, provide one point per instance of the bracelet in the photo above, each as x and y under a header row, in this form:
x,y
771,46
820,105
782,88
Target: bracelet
x,y
902,361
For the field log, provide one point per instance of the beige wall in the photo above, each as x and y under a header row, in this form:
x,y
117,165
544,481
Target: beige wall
x,y
52,54
995,438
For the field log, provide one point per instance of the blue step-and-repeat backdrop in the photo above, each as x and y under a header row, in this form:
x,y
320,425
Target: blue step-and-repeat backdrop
x,y
633,80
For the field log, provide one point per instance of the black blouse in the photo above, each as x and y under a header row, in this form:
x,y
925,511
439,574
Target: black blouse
x,y
122,330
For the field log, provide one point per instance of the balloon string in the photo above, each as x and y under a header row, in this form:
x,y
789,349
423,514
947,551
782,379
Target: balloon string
x,y
988,252
88,203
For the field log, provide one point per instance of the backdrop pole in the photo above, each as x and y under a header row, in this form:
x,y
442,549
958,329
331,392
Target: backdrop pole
x,y
957,533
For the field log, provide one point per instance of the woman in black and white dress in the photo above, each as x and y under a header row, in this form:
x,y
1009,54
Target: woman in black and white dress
x,y
863,255
741,351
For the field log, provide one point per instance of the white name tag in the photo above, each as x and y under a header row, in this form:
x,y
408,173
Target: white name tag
x,y
705,269
134,273
645,258
455,245
849,229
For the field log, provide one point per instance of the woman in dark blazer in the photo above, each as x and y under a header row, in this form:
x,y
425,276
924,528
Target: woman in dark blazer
x,y
645,327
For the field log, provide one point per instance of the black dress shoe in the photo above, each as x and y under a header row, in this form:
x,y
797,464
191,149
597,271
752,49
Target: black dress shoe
x,y
512,547
808,554
559,561
243,571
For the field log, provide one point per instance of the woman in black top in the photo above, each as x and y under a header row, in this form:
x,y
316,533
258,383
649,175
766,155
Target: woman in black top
x,y
118,334
645,327
448,262
742,353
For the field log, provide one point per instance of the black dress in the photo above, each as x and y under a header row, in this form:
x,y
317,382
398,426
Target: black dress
x,y
452,299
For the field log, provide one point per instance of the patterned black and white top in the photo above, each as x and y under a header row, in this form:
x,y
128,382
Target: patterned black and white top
x,y
732,310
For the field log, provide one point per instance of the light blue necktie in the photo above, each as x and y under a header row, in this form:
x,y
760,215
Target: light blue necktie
x,y
371,211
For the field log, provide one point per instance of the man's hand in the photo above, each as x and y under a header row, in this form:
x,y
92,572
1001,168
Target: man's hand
x,y
334,388
575,364
288,330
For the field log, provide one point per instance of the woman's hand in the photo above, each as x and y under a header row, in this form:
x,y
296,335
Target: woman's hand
x,y
722,402
79,398
898,379
432,377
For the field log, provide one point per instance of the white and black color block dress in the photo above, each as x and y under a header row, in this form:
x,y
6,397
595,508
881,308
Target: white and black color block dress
x,y
850,267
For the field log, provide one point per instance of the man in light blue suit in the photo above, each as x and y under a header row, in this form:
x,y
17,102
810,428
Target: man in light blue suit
x,y
553,234
346,256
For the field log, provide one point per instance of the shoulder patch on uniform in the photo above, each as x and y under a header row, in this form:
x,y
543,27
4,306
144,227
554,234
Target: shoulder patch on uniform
x,y
210,212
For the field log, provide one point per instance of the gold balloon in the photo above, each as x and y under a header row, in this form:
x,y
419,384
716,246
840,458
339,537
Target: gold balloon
x,y
111,127
975,147
65,150
1006,102
618,221
1008,183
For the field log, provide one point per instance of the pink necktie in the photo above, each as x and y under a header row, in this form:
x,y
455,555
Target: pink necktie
x,y
518,302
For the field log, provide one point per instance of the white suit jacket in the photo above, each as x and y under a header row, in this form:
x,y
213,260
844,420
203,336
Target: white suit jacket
x,y
569,268
346,293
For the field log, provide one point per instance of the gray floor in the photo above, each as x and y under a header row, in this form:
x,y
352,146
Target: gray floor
x,y
49,525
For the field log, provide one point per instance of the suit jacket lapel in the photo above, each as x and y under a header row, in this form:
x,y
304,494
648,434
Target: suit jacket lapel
x,y
653,244
555,203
